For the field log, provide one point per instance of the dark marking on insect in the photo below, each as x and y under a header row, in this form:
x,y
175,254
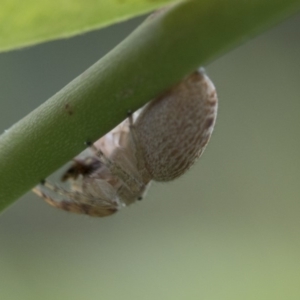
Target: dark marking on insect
x,y
83,167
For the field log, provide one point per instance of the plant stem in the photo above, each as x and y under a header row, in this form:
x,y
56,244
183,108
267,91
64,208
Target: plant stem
x,y
165,48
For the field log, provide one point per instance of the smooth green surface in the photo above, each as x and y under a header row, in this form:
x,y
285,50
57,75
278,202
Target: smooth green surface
x,y
28,22
227,230
156,55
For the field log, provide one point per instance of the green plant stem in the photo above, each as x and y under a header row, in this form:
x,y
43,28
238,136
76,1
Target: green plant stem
x,y
166,47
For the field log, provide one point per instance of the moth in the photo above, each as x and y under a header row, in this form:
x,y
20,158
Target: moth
x,y
160,142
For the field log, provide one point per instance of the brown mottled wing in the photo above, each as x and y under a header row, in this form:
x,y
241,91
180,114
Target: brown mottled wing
x,y
174,128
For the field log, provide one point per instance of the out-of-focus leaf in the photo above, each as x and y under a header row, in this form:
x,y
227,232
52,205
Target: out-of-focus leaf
x,y
27,22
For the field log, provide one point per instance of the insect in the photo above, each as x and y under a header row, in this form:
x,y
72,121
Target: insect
x,y
159,142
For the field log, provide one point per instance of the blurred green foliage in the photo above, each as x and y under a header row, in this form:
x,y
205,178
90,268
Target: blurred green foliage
x,y
24,23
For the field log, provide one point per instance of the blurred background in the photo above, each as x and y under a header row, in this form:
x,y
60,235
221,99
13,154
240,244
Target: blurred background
x,y
228,229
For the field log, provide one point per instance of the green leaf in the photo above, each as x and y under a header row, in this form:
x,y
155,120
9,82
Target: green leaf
x,y
27,22
165,48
